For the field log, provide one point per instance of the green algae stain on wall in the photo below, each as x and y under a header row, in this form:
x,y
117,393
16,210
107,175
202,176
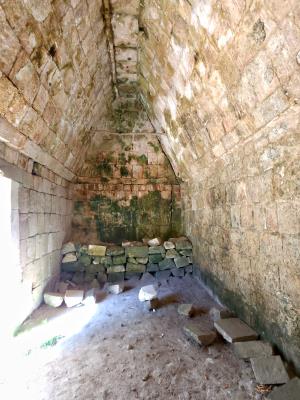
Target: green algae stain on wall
x,y
148,216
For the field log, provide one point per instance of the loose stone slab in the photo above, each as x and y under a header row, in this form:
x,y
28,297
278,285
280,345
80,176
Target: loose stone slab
x,y
167,263
269,370
95,250
289,391
186,309
235,330
181,262
142,260
179,272
137,251
53,299
172,253
115,289
152,267
135,267
217,314
156,250
73,297
107,260
115,268
68,248
115,251
69,258
252,349
147,293
169,245
116,277
118,260
200,336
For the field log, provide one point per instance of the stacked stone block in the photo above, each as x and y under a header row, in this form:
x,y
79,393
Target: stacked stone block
x,y
113,263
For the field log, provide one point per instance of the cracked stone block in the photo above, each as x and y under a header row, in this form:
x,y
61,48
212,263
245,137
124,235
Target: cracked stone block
x,y
186,309
73,297
269,370
289,391
147,293
94,250
235,330
115,251
252,349
53,299
200,336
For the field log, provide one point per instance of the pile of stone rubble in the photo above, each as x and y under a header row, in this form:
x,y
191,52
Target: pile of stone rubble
x,y
112,263
268,368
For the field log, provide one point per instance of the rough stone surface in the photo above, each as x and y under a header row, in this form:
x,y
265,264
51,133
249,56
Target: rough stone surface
x,y
252,349
53,299
68,248
181,262
200,336
167,263
269,370
169,245
235,330
73,297
137,251
289,391
216,313
95,250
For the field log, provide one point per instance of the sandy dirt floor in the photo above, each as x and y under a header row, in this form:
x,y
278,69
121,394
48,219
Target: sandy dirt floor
x,y
118,350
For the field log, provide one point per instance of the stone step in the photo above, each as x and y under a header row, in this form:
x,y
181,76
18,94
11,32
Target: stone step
x,y
269,370
252,349
289,391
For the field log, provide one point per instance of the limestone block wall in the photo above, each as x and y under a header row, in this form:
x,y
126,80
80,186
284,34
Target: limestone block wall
x,y
127,190
222,79
55,79
43,209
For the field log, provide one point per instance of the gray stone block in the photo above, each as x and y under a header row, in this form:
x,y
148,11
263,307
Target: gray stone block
x,y
116,277
252,349
235,330
152,267
167,263
181,262
179,272
156,250
200,336
137,251
162,275
289,391
269,370
140,268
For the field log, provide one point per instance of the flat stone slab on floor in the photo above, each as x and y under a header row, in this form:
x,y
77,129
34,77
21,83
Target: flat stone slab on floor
x,y
252,349
289,391
269,370
235,330
200,336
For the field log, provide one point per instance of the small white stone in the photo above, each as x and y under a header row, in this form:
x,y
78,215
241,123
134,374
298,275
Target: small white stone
x,y
53,299
169,245
116,288
147,293
73,297
298,57
90,297
154,242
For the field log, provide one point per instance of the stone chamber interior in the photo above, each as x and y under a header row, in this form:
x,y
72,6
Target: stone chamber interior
x,y
125,119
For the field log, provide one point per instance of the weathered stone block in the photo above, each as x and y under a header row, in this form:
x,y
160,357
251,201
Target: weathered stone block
x,y
142,260
156,250
95,250
152,267
139,268
181,262
269,370
137,251
69,258
53,299
199,335
252,349
117,260
155,258
115,268
167,263
235,330
179,272
169,245
289,391
115,251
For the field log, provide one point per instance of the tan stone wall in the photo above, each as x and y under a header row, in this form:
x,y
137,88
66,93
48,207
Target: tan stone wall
x,y
42,218
222,79
55,79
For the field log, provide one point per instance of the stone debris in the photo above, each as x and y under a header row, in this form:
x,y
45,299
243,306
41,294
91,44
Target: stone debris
x,y
186,309
289,391
269,370
200,336
235,330
90,297
68,248
115,263
53,299
169,245
154,242
216,313
73,297
116,289
69,258
252,349
147,293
